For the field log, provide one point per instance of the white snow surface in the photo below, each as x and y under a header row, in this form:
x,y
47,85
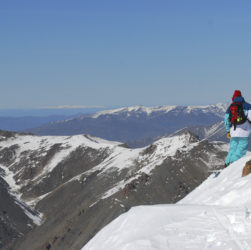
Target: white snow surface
x,y
216,215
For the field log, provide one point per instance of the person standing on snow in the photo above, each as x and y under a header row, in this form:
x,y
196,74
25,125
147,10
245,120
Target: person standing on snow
x,y
238,127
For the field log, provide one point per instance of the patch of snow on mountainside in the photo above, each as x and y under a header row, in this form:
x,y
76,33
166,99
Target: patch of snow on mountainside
x,y
216,215
167,147
8,176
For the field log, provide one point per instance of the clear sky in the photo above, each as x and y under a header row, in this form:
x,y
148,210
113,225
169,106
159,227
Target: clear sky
x,y
123,52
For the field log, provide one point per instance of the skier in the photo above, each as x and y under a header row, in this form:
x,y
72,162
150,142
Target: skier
x,y
238,127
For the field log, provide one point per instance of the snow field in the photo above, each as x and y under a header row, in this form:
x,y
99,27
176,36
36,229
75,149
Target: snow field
x,y
176,227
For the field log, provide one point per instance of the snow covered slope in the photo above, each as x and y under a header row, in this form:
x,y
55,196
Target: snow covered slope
x,y
216,215
228,189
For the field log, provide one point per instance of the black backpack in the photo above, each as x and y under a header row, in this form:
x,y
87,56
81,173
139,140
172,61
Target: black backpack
x,y
236,115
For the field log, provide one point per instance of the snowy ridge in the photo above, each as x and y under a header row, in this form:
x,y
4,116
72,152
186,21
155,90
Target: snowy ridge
x,y
28,143
32,143
168,147
121,158
165,147
141,109
216,215
43,144
218,108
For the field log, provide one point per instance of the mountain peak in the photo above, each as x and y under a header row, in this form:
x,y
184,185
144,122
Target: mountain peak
x,y
188,134
133,109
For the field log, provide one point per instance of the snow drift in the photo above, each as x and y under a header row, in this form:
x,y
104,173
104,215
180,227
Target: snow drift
x,y
216,215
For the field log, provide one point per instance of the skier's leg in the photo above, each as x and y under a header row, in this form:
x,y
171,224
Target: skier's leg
x,y
241,149
232,149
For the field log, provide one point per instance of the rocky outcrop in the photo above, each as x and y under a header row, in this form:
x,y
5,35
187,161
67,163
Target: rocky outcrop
x,y
247,169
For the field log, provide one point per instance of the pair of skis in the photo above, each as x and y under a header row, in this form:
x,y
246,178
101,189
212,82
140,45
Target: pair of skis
x,y
216,172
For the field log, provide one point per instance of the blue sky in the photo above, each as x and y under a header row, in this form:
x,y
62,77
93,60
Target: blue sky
x,y
123,52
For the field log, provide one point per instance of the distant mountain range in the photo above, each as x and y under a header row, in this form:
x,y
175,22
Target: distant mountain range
x,y
137,125
27,122
61,190
23,119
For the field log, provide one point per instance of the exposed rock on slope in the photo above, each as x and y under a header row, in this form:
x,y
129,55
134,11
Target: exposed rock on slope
x,y
247,169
